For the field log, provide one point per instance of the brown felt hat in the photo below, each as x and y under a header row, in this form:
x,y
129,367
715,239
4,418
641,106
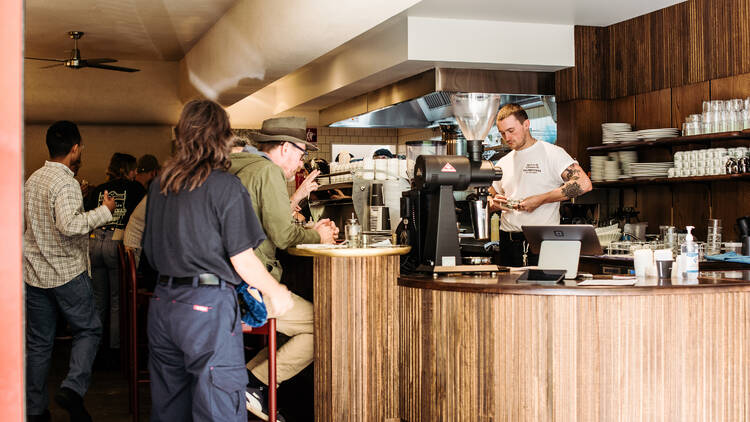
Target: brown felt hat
x,y
284,129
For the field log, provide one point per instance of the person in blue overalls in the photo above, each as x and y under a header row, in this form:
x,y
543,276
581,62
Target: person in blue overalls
x,y
200,234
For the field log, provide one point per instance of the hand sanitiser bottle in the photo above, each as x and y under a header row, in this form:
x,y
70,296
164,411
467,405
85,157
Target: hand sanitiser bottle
x,y
689,250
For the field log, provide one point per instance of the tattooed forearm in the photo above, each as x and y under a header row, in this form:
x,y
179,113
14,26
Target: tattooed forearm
x,y
572,190
570,173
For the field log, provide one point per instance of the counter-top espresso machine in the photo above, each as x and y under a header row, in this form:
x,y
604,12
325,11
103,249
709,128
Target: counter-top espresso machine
x,y
428,210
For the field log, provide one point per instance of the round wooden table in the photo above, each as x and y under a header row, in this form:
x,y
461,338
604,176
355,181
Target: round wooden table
x,y
355,300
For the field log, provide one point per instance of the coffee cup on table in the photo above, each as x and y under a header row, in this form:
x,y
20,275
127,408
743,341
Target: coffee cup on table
x,y
663,258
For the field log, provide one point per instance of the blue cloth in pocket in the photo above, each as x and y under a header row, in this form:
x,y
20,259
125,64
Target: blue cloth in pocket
x,y
253,311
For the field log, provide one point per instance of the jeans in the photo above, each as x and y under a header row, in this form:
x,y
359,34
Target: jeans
x,y
75,301
196,356
105,263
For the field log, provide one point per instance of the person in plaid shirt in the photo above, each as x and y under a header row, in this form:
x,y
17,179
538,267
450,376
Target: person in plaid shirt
x,y
55,271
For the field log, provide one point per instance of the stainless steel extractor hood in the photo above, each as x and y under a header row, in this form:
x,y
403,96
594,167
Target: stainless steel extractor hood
x,y
429,109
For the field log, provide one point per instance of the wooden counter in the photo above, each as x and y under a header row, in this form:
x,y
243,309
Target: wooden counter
x,y
482,349
355,298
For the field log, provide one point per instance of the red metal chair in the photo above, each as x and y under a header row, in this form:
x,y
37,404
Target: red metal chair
x,y
135,298
122,272
269,330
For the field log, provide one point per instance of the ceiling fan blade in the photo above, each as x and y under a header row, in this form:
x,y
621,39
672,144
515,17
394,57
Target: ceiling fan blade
x,y
52,65
100,60
108,67
46,60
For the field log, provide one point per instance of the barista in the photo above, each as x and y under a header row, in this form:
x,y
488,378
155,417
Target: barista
x,y
536,177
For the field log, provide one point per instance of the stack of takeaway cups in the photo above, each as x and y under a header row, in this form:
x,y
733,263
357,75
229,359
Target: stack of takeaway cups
x,y
597,167
713,237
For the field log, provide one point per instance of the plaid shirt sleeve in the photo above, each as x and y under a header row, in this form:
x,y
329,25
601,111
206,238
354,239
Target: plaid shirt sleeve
x,y
70,219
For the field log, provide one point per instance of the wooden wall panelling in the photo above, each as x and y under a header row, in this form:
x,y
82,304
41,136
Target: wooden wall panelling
x,y
730,200
697,46
654,204
690,203
579,127
621,110
729,36
590,66
566,87
687,100
653,109
737,86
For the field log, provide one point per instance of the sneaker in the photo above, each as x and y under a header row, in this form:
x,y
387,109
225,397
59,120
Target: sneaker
x,y
73,403
44,417
257,403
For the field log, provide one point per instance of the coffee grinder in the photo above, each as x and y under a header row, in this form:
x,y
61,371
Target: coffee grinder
x,y
428,210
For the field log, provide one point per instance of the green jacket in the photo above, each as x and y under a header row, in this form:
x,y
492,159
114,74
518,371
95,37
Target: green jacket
x,y
267,186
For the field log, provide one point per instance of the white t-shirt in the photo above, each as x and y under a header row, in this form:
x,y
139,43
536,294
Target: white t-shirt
x,y
532,171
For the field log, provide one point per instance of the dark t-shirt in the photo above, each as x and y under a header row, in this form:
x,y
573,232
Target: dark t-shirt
x,y
127,194
195,232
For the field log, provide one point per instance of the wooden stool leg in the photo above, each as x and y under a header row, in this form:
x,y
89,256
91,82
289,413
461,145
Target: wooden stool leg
x,y
272,369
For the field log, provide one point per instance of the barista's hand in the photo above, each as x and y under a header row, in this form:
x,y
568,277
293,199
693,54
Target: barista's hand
x,y
308,185
531,203
498,203
278,300
327,231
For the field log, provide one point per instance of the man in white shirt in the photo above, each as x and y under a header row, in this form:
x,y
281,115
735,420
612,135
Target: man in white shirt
x,y
536,177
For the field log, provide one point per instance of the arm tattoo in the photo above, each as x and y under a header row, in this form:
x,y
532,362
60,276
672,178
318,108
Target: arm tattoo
x,y
570,173
572,190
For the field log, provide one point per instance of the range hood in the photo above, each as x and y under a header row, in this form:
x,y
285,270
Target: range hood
x,y
432,108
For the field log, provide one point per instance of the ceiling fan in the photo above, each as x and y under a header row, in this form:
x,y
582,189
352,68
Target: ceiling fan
x,y
76,62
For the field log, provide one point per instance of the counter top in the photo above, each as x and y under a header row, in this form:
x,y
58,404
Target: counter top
x,y
505,283
350,252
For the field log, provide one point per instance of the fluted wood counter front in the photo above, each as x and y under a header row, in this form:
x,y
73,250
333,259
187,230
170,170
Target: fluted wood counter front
x,y
481,349
356,333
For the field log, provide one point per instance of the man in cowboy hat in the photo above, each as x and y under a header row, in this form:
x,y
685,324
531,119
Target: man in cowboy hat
x,y
281,148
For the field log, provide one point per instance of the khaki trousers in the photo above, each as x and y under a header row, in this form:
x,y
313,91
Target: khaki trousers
x,y
297,352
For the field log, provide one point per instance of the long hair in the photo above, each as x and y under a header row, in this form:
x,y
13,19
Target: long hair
x,y
202,145
120,165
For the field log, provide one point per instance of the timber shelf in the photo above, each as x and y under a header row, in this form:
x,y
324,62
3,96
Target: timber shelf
x,y
670,142
669,180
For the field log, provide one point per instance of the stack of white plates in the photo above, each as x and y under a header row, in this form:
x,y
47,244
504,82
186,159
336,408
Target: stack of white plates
x,y
650,169
611,130
626,136
650,134
611,170
627,158
597,167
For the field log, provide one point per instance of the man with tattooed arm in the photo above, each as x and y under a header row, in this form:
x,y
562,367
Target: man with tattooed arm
x,y
536,177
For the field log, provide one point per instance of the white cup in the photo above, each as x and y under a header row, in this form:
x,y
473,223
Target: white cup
x,y
700,171
684,172
642,260
670,172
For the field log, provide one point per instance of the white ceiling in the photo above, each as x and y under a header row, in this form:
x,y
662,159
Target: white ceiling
x,y
571,12
120,29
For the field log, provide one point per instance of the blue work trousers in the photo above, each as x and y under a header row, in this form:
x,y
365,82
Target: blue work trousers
x,y
196,357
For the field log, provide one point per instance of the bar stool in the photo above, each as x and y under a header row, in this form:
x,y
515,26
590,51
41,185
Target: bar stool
x,y
135,298
121,271
268,329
